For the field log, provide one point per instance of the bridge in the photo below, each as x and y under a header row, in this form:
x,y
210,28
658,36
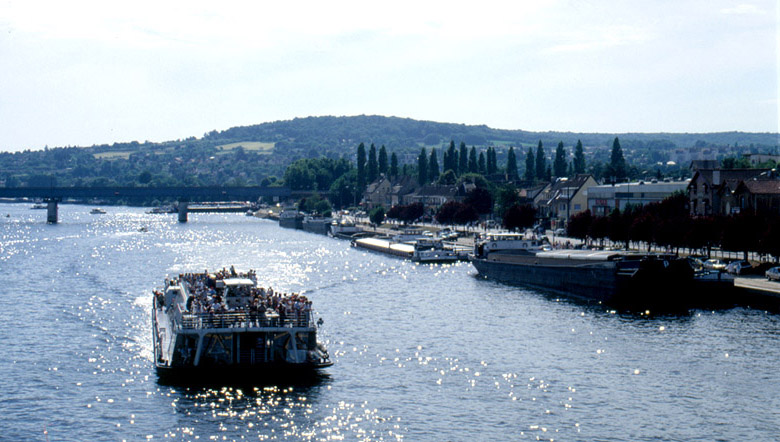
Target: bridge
x,y
54,195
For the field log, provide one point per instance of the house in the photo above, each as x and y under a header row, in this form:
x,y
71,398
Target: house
x,y
432,196
386,192
760,194
704,164
758,158
602,200
377,194
402,187
564,198
704,188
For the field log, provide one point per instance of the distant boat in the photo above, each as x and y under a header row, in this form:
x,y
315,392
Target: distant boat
x,y
97,211
163,209
38,206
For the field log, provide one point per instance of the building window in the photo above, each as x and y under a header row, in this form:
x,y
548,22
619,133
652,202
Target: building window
x,y
576,207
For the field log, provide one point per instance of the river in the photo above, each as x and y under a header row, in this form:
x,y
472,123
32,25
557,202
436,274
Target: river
x,y
422,352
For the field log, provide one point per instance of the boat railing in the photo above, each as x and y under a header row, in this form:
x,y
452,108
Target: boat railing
x,y
243,320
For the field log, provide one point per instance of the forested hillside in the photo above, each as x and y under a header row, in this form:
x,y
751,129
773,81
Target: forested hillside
x,y
256,155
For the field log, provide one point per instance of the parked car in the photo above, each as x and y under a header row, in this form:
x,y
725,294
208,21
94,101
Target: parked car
x,y
714,264
773,274
560,232
696,262
739,267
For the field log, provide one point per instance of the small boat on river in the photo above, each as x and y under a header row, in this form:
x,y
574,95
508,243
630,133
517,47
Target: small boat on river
x,y
97,211
429,250
223,322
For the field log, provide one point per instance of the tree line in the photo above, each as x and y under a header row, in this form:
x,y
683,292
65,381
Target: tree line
x,y
668,224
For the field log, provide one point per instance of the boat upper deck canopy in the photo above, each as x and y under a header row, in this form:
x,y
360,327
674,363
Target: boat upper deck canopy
x,y
230,282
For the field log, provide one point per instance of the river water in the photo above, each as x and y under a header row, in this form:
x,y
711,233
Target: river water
x,y
422,352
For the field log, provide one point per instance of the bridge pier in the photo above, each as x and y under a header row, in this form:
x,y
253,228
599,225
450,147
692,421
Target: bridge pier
x,y
51,210
183,211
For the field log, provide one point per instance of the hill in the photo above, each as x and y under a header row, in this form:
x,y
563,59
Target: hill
x,y
254,155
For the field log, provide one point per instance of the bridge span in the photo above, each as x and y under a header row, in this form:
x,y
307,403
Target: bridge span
x,y
54,195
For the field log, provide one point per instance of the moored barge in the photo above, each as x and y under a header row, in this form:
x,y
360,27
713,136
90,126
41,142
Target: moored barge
x,y
620,278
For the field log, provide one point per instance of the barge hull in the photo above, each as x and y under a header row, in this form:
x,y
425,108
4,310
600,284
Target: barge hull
x,y
588,282
651,285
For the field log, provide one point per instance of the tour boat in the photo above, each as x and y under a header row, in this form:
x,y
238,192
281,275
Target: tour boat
x,y
97,211
231,335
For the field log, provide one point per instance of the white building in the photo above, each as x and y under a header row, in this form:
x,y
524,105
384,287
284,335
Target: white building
x,y
603,199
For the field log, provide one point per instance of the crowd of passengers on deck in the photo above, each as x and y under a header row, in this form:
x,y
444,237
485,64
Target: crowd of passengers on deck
x,y
260,305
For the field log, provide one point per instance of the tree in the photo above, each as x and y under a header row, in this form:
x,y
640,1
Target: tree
x,y
506,197
422,168
361,167
393,165
480,199
453,212
383,160
530,165
579,158
433,166
579,225
463,159
447,177
373,165
559,164
519,217
342,190
145,177
599,228
492,166
451,158
377,215
481,166
406,213
511,164
323,208
616,170
541,162
473,160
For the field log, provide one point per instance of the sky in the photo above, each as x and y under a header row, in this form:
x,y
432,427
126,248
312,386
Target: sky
x,y
78,73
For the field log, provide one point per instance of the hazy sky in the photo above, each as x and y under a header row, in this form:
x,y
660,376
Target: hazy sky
x,y
82,72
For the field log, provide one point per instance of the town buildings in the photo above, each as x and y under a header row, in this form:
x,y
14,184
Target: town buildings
x,y
602,200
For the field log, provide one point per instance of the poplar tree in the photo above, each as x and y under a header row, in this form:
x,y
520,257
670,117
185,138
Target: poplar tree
x,y
541,161
451,158
473,160
422,168
559,165
373,166
511,164
383,160
579,158
530,165
492,166
481,166
393,165
617,164
361,167
433,166
463,159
